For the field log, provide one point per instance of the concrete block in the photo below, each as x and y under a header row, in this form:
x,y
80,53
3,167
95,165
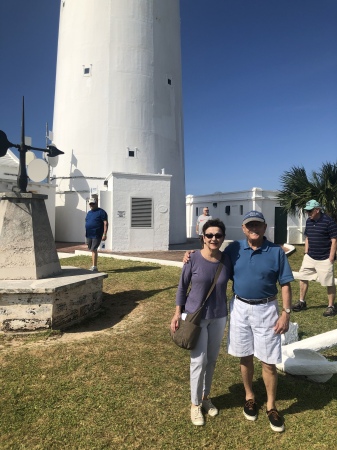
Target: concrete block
x,y
57,302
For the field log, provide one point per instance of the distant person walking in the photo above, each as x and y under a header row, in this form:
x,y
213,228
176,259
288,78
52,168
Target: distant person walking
x,y
96,227
202,219
319,256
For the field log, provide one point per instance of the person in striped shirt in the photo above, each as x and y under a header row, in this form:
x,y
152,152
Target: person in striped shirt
x,y
320,254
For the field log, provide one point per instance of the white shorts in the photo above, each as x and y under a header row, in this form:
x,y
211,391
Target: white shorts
x,y
251,331
315,270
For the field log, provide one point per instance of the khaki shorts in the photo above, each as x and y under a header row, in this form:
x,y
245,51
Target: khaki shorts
x,y
314,270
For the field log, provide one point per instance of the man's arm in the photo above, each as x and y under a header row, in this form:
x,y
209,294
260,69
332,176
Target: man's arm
x,y
186,258
106,225
306,245
282,325
333,250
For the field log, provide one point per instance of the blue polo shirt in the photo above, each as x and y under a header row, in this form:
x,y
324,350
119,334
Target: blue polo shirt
x,y
94,223
319,233
257,272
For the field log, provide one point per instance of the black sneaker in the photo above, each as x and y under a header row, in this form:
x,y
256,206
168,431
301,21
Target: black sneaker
x,y
330,311
250,410
299,306
275,420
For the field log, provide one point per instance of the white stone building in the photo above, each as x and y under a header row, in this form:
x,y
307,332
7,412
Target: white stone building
x,y
230,207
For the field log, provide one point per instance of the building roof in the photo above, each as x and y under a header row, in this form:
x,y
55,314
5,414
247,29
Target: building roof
x,y
9,160
9,164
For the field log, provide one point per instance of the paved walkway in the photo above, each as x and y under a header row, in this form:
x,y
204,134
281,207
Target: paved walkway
x,y
173,256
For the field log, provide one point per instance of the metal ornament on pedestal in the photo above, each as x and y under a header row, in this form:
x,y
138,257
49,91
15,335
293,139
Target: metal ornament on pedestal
x,y
23,217
5,144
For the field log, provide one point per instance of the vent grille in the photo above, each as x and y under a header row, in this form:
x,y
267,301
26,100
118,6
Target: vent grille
x,y
141,212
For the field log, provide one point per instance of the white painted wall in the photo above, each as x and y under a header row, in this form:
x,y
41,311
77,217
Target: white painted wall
x,y
117,203
240,203
70,212
296,227
131,99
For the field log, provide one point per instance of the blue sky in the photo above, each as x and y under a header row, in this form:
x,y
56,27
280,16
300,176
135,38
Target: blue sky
x,y
259,85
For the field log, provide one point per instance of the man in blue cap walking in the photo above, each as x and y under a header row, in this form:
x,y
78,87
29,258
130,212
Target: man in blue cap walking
x,y
319,256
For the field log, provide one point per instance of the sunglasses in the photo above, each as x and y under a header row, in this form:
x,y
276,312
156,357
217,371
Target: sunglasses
x,y
211,235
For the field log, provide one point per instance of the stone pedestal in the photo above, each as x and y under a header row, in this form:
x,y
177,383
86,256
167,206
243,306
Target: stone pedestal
x,y
35,292
56,302
27,247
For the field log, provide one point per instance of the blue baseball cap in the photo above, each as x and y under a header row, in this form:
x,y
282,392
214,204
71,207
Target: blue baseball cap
x,y
253,216
311,204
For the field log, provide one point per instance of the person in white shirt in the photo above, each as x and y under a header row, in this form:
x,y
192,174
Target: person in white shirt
x,y
202,219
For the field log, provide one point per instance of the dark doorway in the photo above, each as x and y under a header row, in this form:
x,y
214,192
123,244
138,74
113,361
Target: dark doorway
x,y
280,233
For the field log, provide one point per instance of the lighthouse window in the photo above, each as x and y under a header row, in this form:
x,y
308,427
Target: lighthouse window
x,y
169,81
131,152
141,212
86,71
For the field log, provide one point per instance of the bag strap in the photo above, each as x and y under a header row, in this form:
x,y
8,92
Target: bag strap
x,y
214,283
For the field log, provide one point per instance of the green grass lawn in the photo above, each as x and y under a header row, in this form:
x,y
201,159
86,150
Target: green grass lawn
x,y
128,388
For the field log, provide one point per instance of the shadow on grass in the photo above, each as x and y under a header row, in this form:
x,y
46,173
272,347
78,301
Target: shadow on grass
x,y
322,306
114,308
307,395
133,269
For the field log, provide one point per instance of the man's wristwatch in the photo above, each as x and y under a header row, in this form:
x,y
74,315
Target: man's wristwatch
x,y
287,310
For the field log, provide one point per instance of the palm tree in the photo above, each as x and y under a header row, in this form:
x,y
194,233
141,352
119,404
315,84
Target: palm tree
x,y
298,188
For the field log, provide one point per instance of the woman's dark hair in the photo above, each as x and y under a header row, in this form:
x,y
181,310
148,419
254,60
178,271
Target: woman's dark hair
x,y
214,223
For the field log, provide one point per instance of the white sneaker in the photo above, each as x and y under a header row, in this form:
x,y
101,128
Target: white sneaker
x,y
196,415
93,269
209,408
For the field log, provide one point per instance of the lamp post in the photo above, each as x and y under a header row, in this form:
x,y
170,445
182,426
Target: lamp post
x,y
51,150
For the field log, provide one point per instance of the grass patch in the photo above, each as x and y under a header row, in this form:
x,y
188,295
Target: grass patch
x,y
128,388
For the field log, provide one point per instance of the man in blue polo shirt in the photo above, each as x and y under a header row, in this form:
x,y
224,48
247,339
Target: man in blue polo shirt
x,y
319,256
255,324
96,227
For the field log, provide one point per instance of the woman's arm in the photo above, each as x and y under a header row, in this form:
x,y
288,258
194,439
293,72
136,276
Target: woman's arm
x,y
184,283
175,318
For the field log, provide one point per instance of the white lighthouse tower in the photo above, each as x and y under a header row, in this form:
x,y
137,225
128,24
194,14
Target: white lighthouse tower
x,y
118,118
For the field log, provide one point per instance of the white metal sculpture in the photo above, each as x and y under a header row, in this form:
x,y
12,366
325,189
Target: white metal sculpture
x,y
302,357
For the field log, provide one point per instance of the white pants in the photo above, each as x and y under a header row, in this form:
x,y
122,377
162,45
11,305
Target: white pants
x,y
251,331
204,357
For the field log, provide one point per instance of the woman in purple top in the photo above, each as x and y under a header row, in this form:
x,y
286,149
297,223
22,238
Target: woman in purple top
x,y
200,273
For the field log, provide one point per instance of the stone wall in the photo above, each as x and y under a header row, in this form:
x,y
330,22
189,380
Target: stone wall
x,y
29,305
